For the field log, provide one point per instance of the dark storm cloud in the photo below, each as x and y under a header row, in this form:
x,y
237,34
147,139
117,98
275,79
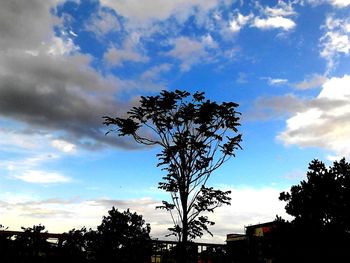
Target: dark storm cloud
x,y
47,84
58,94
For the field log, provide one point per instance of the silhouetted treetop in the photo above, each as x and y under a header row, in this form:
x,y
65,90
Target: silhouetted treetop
x,y
121,237
323,200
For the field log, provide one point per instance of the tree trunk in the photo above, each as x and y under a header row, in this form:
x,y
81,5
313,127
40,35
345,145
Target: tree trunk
x,y
183,257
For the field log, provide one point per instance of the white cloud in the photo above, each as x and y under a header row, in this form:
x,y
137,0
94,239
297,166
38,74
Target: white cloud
x,y
340,3
64,146
281,9
278,81
312,81
325,123
32,169
336,40
274,22
9,138
42,177
335,3
249,206
29,164
275,81
336,89
276,17
239,21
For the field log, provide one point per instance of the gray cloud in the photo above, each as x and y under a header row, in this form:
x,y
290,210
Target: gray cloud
x,y
312,81
103,23
116,57
57,94
48,85
148,11
274,107
188,51
25,24
266,108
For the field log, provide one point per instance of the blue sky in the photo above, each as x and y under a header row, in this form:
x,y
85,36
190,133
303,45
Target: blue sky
x,y
65,64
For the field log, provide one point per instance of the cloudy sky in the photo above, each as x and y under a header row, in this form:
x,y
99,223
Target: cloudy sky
x,y
65,64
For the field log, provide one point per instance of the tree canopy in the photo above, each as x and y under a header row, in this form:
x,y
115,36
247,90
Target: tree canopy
x,y
122,236
320,206
196,136
323,200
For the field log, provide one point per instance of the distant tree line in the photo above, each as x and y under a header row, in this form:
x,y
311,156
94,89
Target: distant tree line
x,y
319,232
121,237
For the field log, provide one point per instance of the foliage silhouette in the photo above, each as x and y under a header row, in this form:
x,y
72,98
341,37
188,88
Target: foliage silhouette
x,y
31,246
323,201
121,237
196,137
75,245
320,231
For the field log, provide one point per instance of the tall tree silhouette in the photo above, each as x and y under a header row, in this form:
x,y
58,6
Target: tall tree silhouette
x,y
196,137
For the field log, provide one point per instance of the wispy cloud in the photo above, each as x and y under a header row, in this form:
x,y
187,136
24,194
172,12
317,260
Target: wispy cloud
x,y
275,81
311,81
188,51
42,177
274,22
116,57
103,22
239,21
148,11
33,170
335,40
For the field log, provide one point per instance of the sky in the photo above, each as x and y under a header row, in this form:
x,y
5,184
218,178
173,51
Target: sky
x,y
66,64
